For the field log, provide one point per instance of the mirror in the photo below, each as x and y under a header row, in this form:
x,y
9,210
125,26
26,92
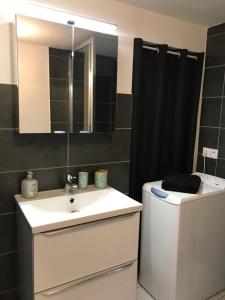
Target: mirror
x,y
66,78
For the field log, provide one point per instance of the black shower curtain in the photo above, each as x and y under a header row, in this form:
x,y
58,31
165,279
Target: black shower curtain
x,y
166,90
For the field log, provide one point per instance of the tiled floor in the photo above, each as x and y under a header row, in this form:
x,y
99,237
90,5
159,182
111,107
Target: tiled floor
x,y
143,295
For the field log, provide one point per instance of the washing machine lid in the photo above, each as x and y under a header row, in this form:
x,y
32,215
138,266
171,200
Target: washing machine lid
x,y
210,185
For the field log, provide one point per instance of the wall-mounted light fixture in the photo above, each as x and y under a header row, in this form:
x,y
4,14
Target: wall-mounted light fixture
x,y
53,15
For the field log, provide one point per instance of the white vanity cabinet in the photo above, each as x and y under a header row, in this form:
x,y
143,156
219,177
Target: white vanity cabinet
x,y
119,284
65,255
95,260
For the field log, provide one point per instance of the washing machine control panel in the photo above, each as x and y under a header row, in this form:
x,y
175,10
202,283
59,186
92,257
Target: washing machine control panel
x,y
159,193
212,180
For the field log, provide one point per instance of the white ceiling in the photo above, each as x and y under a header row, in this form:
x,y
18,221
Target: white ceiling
x,y
203,12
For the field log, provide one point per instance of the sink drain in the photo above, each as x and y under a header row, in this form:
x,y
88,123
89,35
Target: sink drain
x,y
73,206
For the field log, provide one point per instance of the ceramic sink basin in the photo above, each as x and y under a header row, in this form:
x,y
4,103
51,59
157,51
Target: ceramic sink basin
x,y
55,209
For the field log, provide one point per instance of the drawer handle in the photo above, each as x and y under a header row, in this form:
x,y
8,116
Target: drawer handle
x,y
76,227
87,279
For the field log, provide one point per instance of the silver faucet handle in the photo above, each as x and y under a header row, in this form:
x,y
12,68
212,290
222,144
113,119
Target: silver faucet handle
x,y
71,179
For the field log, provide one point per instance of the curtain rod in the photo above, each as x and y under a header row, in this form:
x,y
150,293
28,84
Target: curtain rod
x,y
171,50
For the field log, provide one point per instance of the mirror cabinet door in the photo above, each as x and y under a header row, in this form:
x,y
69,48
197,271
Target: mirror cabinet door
x,y
105,82
83,84
66,78
44,52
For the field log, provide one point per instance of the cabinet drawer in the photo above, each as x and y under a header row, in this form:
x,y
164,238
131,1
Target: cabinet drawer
x,y
119,284
65,255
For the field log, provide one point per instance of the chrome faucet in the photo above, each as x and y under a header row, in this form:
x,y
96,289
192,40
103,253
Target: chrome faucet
x,y
70,186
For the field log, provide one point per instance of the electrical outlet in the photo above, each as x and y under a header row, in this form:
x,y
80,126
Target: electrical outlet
x,y
209,152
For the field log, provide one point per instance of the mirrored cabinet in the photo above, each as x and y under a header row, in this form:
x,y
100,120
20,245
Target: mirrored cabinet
x,y
66,78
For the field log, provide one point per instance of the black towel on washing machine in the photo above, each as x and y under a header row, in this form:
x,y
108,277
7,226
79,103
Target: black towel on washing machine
x,y
182,183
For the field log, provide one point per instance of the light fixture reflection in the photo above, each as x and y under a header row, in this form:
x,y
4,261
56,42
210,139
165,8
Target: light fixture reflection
x,y
26,29
36,11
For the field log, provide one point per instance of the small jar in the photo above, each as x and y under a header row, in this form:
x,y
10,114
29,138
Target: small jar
x,y
82,180
101,179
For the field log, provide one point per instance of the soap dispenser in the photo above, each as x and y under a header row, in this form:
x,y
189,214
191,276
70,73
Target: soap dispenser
x,y
29,186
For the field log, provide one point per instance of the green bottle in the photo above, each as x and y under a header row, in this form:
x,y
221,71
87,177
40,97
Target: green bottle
x,y
29,186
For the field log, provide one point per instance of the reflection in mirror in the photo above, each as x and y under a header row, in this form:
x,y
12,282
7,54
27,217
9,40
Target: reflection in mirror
x,y
67,78
105,89
83,86
43,49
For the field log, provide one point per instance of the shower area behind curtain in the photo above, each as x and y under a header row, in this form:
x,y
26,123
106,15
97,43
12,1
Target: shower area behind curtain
x,y
166,91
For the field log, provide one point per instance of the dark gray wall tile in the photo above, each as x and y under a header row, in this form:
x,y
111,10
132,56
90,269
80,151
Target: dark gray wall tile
x,y
7,233
215,54
51,179
213,82
22,152
59,89
78,111
119,177
100,147
59,52
210,165
218,29
124,111
105,112
220,170
8,274
223,113
9,186
222,144
8,99
208,138
58,67
59,111
210,112
60,126
104,127
78,86
77,127
10,295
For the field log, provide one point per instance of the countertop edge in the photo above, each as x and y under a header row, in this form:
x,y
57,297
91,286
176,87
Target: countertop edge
x,y
88,219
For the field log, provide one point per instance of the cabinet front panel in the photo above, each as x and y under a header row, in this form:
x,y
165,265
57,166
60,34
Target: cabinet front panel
x,y
66,255
119,284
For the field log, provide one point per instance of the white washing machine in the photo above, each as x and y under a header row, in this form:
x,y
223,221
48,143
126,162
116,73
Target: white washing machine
x,y
182,254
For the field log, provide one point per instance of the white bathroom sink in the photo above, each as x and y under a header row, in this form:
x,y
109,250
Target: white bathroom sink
x,y
53,209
